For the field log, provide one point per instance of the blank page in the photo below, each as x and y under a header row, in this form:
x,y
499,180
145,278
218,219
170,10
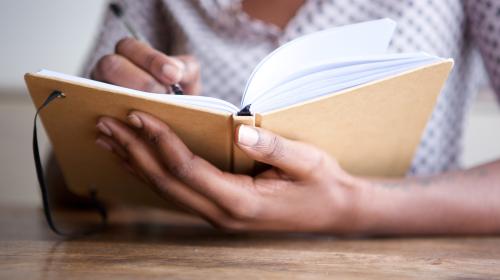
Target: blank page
x,y
336,78
365,38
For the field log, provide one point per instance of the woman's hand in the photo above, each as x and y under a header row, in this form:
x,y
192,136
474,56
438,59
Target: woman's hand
x,y
304,191
138,66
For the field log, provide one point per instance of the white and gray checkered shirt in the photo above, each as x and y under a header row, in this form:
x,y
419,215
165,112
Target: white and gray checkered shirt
x,y
228,44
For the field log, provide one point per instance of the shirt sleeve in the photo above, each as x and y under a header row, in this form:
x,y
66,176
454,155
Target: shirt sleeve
x,y
148,17
484,24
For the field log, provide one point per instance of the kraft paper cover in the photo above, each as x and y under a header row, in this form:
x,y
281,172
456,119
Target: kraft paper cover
x,y
372,129
70,125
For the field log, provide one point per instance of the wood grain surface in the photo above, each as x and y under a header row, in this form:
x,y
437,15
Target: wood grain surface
x,y
147,244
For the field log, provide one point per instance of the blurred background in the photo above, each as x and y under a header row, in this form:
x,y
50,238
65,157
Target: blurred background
x,y
58,35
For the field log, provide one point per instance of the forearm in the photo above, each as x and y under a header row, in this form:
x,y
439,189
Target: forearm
x,y
460,202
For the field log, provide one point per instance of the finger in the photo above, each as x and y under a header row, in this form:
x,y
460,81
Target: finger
x,y
191,80
294,158
165,69
143,159
107,143
116,69
229,191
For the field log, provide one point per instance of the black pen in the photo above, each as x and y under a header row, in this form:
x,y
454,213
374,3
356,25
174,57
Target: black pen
x,y
118,12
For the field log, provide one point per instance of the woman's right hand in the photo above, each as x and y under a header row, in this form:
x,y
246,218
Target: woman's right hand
x,y
138,66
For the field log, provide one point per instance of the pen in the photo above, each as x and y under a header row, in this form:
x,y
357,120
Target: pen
x,y
118,12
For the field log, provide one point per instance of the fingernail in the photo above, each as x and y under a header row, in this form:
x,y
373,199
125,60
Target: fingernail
x,y
179,64
135,120
104,129
99,142
247,135
171,73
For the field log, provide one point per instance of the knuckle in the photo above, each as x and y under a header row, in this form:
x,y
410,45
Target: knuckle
x,y
244,210
318,164
157,135
123,45
320,160
154,137
152,59
274,149
108,65
182,169
129,145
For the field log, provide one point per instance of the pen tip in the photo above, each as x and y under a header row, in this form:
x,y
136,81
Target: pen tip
x,y
116,9
177,89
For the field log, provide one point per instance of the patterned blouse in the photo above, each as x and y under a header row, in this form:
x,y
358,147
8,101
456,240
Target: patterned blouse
x,y
228,43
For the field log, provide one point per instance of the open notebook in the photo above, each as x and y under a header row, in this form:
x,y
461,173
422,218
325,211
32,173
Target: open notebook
x,y
337,89
311,66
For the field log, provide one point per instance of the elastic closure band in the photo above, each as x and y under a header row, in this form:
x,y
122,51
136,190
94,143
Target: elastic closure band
x,y
43,186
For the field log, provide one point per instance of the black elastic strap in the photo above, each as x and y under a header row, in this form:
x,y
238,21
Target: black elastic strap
x,y
43,186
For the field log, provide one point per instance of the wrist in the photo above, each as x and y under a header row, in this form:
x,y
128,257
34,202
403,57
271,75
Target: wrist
x,y
363,199
352,207
380,208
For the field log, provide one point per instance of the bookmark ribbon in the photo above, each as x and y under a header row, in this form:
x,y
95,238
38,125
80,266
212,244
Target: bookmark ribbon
x,y
43,185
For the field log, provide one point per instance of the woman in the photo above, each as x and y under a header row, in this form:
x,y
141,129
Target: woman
x,y
210,47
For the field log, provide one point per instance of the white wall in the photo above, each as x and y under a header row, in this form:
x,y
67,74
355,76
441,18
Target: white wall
x,y
35,34
52,34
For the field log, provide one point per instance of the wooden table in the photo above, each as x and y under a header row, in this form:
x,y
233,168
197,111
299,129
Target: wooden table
x,y
154,244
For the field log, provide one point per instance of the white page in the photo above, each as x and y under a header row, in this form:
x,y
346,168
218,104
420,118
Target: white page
x,y
338,62
328,87
337,72
190,100
310,50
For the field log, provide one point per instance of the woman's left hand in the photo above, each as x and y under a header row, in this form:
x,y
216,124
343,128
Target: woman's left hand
x,y
304,191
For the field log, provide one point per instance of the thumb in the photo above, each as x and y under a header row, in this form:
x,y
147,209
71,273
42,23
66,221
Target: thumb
x,y
296,159
190,78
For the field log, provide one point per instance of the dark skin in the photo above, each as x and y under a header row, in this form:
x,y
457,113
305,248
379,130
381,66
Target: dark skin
x,y
305,190
276,12
138,66
272,200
